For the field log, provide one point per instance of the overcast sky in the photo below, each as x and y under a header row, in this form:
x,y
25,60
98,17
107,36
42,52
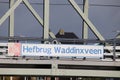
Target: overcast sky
x,y
104,14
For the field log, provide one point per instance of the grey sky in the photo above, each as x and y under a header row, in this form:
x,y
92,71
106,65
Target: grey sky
x,y
105,18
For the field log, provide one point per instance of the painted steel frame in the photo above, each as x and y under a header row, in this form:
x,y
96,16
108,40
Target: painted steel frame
x,y
13,6
11,21
59,72
85,26
54,71
85,18
45,22
46,19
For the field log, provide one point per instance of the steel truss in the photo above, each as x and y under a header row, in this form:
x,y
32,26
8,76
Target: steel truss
x,y
45,23
55,70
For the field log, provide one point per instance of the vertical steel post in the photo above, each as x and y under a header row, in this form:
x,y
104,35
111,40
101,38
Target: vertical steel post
x,y
85,26
11,20
46,19
86,19
114,50
36,15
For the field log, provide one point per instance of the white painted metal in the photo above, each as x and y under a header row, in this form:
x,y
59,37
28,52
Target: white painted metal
x,y
85,18
54,71
52,35
4,44
46,19
118,37
85,26
88,73
10,11
3,50
59,72
11,22
33,11
36,15
111,54
18,71
64,62
111,47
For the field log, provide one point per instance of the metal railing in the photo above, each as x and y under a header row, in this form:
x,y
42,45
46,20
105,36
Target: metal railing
x,y
111,47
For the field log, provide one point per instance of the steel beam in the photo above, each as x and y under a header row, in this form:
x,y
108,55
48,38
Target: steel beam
x,y
88,73
85,18
59,72
85,26
46,19
21,71
62,61
34,13
11,20
52,35
118,36
55,71
38,18
10,11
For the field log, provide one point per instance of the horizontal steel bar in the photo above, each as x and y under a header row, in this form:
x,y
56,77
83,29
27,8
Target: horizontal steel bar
x,y
59,72
60,39
66,62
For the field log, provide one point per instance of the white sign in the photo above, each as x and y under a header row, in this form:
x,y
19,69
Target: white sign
x,y
62,50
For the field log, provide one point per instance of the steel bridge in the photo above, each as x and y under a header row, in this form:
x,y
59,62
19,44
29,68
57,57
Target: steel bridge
x,y
57,67
109,66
